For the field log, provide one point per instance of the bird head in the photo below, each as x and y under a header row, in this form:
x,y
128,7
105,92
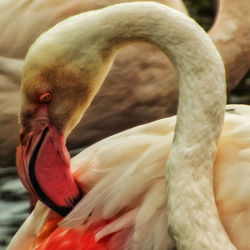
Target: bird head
x,y
58,83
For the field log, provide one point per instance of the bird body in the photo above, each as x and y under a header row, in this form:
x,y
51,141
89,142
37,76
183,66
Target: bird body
x,y
132,189
135,171
125,174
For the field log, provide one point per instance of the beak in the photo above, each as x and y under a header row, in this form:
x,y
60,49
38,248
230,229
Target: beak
x,y
43,164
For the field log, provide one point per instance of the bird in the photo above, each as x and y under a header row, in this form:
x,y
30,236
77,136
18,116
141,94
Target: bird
x,y
141,65
178,182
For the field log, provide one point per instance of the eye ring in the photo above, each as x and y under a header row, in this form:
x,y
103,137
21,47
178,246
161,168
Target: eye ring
x,y
45,97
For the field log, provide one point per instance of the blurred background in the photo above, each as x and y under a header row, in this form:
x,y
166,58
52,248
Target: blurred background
x,y
204,12
14,200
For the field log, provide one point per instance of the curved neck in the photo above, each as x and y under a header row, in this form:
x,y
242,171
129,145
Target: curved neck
x,y
200,114
201,102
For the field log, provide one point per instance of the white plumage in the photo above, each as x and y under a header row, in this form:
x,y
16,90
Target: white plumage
x,y
125,174
135,177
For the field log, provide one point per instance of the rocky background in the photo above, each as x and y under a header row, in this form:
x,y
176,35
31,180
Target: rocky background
x,y
14,200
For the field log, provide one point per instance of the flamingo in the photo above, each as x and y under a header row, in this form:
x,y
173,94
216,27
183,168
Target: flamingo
x,y
181,181
140,65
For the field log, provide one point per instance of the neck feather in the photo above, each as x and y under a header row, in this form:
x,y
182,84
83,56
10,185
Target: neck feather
x,y
89,41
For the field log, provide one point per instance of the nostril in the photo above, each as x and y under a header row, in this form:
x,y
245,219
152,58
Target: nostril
x,y
22,136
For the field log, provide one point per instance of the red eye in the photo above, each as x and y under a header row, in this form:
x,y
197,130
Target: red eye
x,y
45,98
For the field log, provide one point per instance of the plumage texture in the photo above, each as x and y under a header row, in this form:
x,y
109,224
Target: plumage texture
x,y
140,177
131,183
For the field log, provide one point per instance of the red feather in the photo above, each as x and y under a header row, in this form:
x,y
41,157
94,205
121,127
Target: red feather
x,y
75,239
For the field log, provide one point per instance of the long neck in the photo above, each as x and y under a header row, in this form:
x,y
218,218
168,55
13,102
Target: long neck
x,y
201,102
199,119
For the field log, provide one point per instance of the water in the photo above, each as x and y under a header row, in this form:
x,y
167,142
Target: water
x,y
14,204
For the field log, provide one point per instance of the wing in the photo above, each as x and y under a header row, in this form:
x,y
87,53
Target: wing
x,y
232,175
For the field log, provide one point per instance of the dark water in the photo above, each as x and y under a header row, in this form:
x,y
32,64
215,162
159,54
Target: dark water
x,y
14,199
14,204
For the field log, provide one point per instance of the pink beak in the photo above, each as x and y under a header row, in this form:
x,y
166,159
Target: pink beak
x,y
43,164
